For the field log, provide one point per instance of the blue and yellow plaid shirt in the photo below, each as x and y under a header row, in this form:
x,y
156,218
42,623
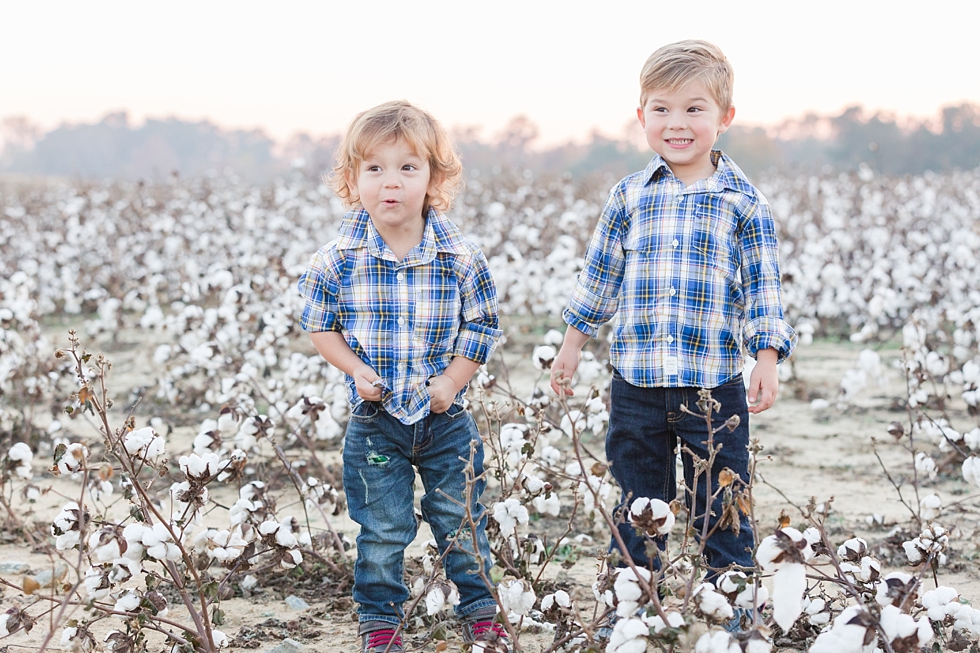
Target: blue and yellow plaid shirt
x,y
693,274
406,319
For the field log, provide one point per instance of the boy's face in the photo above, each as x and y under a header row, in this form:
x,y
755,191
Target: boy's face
x,y
682,127
392,182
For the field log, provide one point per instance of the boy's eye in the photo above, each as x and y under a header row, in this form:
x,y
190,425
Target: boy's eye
x,y
695,109
373,168
409,166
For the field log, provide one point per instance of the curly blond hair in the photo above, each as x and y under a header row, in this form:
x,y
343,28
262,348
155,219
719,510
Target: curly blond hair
x,y
674,65
385,123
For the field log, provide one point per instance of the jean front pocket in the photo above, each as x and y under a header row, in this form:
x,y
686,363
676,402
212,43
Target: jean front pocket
x,y
366,411
454,411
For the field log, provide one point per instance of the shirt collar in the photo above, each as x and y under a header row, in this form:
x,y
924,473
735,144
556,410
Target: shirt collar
x,y
440,236
727,175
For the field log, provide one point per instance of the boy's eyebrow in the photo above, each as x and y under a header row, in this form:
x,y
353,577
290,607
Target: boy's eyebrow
x,y
693,99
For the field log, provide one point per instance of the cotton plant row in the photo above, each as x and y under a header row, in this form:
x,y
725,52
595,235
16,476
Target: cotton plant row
x,y
859,254
125,558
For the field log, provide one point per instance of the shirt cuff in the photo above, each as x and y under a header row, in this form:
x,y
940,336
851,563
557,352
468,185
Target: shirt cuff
x,y
769,333
573,320
476,342
315,321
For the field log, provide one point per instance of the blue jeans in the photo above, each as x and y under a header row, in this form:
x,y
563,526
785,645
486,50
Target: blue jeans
x,y
380,457
645,427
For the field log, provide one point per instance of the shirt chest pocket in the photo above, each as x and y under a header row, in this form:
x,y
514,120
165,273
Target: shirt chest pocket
x,y
714,235
435,314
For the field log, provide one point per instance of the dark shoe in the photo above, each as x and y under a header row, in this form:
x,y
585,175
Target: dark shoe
x,y
380,636
485,636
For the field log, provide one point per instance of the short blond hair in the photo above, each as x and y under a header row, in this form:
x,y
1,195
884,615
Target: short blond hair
x,y
423,133
676,64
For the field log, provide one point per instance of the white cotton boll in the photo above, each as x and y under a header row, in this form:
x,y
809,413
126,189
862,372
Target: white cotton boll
x,y
200,467
516,596
128,601
924,464
509,514
72,460
554,338
22,455
219,638
971,371
788,585
589,369
573,422
819,404
936,364
144,443
629,636
937,602
898,625
816,611
560,598
712,604
543,356
846,636
971,470
869,362
750,598
547,505
930,506
285,536
718,641
972,439
440,597
162,354
627,587
20,452
652,515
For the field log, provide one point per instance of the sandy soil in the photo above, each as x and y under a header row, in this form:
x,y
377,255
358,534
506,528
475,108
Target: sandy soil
x,y
824,454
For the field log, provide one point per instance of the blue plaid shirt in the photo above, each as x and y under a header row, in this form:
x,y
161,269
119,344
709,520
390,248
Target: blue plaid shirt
x,y
693,274
406,319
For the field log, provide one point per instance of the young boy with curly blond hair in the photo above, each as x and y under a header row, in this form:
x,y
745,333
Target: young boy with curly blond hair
x,y
685,255
406,307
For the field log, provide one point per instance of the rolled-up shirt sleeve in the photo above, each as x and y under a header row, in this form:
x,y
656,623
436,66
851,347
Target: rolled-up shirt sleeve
x,y
479,327
596,296
319,286
764,325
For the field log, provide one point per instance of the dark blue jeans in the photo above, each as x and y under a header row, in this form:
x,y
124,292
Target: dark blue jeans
x,y
645,427
380,457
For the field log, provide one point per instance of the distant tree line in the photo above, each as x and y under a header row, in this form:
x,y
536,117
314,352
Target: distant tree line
x,y
113,147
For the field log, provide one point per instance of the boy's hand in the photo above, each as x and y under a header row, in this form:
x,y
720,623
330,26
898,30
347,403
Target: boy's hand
x,y
442,393
763,382
368,383
562,370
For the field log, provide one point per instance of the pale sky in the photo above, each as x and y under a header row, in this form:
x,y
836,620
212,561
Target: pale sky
x,y
570,66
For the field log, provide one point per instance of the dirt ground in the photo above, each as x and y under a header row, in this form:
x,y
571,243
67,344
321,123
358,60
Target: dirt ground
x,y
807,453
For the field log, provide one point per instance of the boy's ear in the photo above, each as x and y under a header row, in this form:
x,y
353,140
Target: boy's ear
x,y
726,120
435,183
641,117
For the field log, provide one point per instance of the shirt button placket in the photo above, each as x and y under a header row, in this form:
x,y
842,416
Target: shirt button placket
x,y
404,336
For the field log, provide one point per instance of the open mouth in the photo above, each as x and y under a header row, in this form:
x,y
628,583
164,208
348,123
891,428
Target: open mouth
x,y
680,141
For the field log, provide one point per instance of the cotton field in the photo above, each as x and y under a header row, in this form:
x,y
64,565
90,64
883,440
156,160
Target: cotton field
x,y
180,476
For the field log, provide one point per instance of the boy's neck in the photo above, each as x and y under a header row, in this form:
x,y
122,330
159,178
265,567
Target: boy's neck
x,y
402,240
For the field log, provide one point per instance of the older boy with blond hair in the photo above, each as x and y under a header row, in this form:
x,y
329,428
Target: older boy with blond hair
x,y
685,255
406,306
